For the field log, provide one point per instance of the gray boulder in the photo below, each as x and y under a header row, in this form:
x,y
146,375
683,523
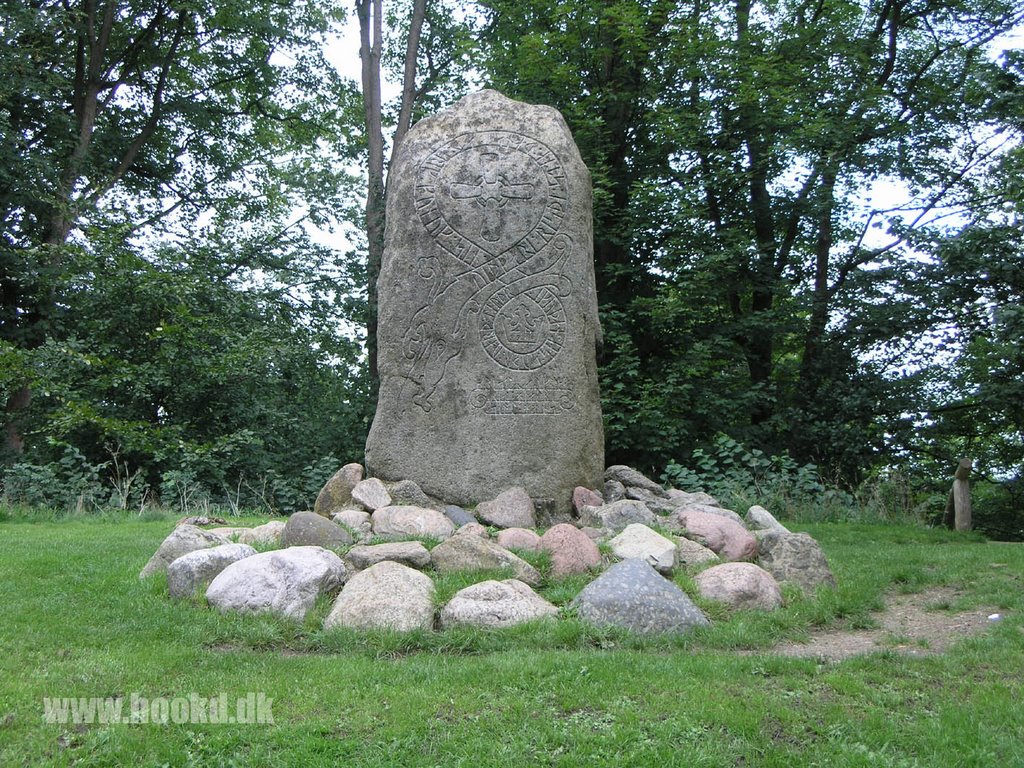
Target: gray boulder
x,y
458,515
659,505
795,558
409,553
182,540
760,519
268,534
337,492
357,521
372,494
495,604
631,478
308,529
466,552
512,508
692,554
285,582
684,498
411,522
189,574
409,494
639,541
613,491
387,595
617,515
633,596
740,585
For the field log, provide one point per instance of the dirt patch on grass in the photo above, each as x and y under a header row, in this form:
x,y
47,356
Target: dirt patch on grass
x,y
917,625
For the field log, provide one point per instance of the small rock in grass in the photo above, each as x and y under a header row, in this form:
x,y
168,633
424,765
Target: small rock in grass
x,y
495,604
182,540
633,596
387,595
795,558
740,585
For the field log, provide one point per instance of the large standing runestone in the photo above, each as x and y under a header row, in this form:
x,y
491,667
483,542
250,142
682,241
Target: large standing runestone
x,y
488,316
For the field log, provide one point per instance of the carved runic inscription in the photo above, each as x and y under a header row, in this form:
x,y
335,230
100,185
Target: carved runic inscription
x,y
494,202
522,331
483,195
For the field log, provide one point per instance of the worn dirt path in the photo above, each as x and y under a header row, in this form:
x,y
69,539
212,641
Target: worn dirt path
x,y
912,624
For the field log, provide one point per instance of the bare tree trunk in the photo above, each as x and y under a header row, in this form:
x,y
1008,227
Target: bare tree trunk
x,y
369,13
759,338
19,400
412,52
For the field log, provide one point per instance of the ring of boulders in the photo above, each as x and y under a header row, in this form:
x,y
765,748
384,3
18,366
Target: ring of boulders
x,y
366,545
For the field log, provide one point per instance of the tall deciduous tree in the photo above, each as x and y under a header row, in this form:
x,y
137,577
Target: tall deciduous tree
x,y
733,144
144,116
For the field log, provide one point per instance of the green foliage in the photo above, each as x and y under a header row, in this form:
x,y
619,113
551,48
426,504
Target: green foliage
x,y
729,471
70,482
746,287
167,309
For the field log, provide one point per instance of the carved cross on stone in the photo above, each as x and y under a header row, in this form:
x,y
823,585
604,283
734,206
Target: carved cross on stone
x,y
491,190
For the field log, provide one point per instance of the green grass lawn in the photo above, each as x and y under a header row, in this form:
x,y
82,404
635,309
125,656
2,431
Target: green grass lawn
x,y
76,622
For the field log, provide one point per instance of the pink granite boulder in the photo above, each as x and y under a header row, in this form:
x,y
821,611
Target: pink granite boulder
x,y
727,539
572,551
519,538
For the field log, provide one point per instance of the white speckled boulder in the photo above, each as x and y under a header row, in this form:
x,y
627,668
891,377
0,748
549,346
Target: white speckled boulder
x,y
285,582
